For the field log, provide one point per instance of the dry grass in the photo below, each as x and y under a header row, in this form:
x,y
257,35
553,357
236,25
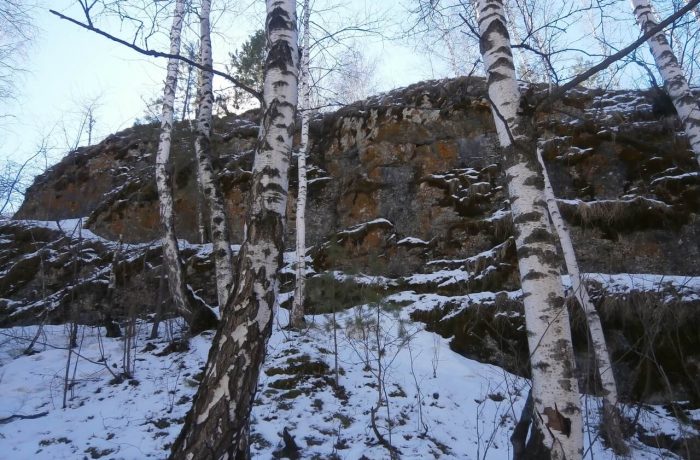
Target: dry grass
x,y
621,215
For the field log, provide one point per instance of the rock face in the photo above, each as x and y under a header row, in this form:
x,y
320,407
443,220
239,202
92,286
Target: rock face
x,y
406,185
424,158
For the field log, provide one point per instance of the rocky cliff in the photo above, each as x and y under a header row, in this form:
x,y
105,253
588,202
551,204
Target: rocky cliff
x,y
407,187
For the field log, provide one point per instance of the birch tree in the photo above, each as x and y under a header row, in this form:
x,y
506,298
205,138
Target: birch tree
x,y
611,416
198,316
675,82
297,314
217,424
558,425
220,235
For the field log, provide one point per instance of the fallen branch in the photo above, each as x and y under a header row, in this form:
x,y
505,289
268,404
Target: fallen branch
x,y
14,417
393,451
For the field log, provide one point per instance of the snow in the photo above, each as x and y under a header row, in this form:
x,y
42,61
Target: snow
x,y
679,177
412,241
363,226
441,277
685,288
70,227
132,419
438,404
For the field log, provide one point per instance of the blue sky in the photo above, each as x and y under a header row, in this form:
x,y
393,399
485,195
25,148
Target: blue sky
x,y
67,67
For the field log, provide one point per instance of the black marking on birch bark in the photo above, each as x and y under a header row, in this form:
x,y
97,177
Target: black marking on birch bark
x,y
534,275
533,216
278,19
503,50
539,235
271,172
279,57
570,409
545,256
535,181
496,76
557,421
557,302
484,14
540,204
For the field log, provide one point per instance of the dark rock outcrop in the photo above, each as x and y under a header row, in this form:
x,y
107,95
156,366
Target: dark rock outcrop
x,y
406,185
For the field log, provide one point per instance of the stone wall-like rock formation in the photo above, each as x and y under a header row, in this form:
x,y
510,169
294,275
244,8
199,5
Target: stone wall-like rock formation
x,y
425,159
406,186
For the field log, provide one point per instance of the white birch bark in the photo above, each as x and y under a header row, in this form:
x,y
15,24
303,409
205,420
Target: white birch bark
x,y
198,316
220,235
201,227
595,328
611,414
217,425
557,417
675,82
165,196
297,314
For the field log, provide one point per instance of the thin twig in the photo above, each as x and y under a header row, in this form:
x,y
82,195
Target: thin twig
x,y
605,63
159,54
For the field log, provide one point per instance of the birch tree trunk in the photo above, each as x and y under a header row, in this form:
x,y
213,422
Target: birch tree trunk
x,y
221,241
217,425
611,415
296,318
199,203
674,80
558,425
198,316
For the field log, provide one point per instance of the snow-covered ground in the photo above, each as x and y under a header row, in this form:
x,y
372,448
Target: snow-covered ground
x,y
435,403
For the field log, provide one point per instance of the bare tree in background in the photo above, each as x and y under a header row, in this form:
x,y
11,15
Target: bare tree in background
x,y
16,33
15,177
189,82
353,79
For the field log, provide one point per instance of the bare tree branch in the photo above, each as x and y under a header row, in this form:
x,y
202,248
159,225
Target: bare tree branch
x,y
605,63
160,54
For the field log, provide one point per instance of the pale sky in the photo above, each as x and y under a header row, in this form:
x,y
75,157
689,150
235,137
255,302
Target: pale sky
x,y
67,66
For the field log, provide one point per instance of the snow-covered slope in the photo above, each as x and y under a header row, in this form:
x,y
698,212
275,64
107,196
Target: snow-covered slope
x,y
435,403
